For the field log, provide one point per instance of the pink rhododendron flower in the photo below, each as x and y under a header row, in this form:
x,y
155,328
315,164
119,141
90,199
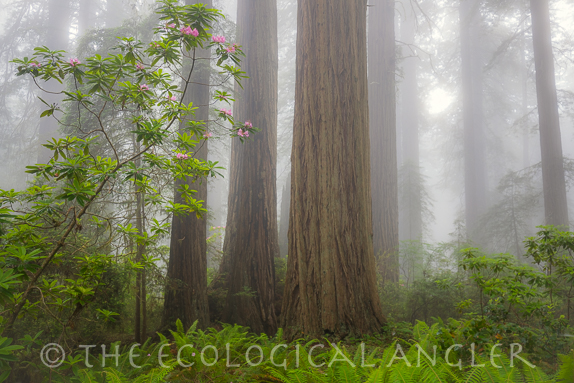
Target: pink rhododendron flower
x,y
181,156
172,25
208,135
230,49
218,39
227,112
188,31
143,87
139,66
74,62
248,125
35,65
172,98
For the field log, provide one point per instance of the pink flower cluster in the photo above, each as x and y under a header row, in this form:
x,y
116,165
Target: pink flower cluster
x,y
74,62
208,135
226,112
35,65
248,125
139,66
231,48
218,39
242,133
143,87
172,25
188,31
181,156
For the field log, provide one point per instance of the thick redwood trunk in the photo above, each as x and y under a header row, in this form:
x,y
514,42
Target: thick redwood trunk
x,y
474,141
186,293
251,238
554,185
383,136
330,285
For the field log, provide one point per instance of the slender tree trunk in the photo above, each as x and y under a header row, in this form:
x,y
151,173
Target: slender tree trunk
x,y
284,220
57,39
86,16
411,223
474,141
139,258
330,286
186,293
554,185
115,13
383,137
251,238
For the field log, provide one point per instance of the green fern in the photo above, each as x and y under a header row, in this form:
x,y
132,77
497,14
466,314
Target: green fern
x,y
566,373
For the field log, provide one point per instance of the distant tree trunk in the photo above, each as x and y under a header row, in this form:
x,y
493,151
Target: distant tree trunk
x,y
554,185
474,141
186,292
86,16
383,137
140,283
116,13
411,223
284,219
58,36
330,286
251,238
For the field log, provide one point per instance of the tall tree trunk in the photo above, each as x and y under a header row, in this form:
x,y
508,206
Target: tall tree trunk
x,y
86,16
57,39
186,293
251,238
474,141
139,257
284,219
330,286
115,13
383,137
554,185
411,223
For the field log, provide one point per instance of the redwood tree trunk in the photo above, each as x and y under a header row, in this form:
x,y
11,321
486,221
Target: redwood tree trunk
x,y
411,204
474,142
554,185
186,293
383,134
251,238
57,39
330,286
284,220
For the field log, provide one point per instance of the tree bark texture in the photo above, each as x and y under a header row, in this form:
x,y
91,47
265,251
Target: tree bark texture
x,y
383,137
186,293
330,286
554,185
284,220
251,238
474,141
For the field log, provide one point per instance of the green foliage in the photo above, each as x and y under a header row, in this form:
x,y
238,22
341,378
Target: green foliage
x,y
312,361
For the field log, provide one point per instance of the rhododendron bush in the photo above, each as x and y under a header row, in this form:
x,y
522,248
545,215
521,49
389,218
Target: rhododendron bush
x,y
142,86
